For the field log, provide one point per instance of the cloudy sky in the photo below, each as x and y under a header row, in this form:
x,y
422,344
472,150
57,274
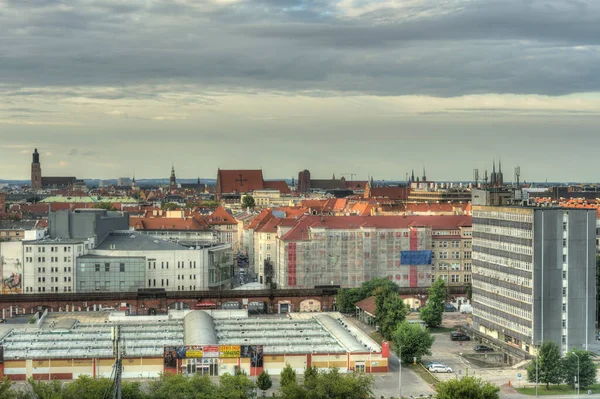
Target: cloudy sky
x,y
106,88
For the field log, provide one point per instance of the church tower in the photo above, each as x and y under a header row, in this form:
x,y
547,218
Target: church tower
x,y
173,180
493,175
36,171
499,176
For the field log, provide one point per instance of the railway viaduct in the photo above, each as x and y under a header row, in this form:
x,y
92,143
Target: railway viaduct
x,y
150,301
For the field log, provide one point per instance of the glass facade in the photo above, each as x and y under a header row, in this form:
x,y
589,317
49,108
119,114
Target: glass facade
x,y
109,274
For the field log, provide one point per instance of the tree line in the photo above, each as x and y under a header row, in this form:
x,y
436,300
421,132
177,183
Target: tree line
x,y
550,369
315,384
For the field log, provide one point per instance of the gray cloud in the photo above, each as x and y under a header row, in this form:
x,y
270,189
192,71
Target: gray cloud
x,y
456,48
77,152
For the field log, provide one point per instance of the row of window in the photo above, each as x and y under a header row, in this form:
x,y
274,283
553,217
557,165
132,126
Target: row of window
x,y
454,278
43,249
182,277
511,278
496,289
503,261
511,216
501,321
504,231
152,282
503,246
107,267
504,307
165,265
54,279
54,269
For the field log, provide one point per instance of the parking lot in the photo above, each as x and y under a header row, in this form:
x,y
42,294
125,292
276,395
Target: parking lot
x,y
449,353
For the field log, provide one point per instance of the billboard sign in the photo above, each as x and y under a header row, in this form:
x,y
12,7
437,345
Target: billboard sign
x,y
255,353
170,357
193,352
229,351
210,351
415,257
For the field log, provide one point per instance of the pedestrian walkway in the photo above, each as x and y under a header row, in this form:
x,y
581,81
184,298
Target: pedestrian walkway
x,y
387,384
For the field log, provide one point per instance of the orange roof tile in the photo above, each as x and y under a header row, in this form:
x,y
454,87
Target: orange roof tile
x,y
299,231
220,216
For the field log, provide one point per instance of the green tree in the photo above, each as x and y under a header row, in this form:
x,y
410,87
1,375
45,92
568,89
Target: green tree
x,y
413,340
466,387
469,291
311,378
6,391
347,297
264,382
288,384
390,310
549,369
331,384
169,386
431,314
587,369
104,205
248,202
288,375
45,390
237,386
169,206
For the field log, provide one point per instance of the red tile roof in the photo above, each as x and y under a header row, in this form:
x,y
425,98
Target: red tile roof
x,y
298,232
280,185
273,223
220,216
239,181
293,212
367,304
260,219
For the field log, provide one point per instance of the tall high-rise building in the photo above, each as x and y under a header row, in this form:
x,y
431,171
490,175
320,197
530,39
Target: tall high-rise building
x,y
36,171
534,275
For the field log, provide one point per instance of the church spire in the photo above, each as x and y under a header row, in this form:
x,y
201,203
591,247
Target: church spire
x,y
424,175
173,179
412,176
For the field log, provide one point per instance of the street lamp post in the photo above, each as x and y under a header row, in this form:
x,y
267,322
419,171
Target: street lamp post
x,y
400,371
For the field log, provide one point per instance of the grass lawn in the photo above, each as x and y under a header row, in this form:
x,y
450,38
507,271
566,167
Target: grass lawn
x,y
557,390
424,374
438,330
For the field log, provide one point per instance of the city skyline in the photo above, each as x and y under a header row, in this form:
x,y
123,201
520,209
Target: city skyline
x,y
373,88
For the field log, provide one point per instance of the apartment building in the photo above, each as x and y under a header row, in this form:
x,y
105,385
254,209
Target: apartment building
x,y
348,250
534,275
49,264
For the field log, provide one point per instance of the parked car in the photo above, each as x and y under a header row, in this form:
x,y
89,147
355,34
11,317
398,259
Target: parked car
x,y
439,368
2,320
482,348
458,336
449,308
428,365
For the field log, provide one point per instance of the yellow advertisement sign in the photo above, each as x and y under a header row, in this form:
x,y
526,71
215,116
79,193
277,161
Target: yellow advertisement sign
x,y
193,353
229,351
